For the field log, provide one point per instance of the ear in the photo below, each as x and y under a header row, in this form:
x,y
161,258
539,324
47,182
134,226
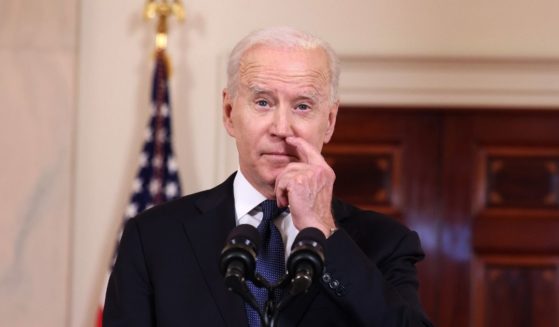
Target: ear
x,y
332,114
227,107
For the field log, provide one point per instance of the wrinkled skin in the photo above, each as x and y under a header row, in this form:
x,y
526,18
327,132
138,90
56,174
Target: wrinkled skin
x,y
280,117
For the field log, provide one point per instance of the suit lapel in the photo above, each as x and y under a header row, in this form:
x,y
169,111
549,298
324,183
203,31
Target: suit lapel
x,y
207,233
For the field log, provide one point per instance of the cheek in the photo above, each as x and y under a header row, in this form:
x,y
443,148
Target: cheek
x,y
314,133
247,139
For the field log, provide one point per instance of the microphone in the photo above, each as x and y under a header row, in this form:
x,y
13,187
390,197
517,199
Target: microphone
x,y
306,259
238,257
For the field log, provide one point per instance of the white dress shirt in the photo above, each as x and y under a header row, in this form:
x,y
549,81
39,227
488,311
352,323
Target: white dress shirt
x,y
247,211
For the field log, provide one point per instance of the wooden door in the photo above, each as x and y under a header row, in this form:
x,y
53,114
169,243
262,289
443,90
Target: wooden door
x,y
482,190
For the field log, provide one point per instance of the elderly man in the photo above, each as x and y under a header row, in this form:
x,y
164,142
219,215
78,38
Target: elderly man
x,y
280,106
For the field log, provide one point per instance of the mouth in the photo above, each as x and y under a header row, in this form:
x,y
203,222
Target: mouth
x,y
280,156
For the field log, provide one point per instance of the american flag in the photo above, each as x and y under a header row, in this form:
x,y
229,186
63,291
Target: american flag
x,y
157,180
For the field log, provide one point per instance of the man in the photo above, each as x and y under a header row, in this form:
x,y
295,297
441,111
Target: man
x,y
280,106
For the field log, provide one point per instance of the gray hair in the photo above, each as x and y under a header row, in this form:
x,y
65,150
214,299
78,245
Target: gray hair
x,y
287,37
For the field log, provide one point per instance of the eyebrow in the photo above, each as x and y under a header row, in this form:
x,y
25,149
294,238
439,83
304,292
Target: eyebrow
x,y
255,89
310,95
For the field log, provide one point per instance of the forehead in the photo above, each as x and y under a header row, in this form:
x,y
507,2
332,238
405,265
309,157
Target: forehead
x,y
294,66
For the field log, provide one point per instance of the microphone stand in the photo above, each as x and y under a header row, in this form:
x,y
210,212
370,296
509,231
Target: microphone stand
x,y
269,316
305,261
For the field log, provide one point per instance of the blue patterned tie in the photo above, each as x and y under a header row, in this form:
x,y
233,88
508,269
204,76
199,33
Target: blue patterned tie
x,y
270,262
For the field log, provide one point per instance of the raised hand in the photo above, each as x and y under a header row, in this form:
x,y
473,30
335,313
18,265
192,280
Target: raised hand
x,y
306,186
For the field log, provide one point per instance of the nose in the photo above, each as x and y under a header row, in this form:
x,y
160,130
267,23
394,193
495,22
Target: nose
x,y
282,125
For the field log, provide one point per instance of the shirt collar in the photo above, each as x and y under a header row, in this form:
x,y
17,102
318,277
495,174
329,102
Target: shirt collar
x,y
246,196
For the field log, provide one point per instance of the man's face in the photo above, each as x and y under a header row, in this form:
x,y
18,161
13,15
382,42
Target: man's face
x,y
281,92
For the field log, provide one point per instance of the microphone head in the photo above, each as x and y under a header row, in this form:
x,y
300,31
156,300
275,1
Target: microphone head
x,y
241,246
309,236
244,234
308,250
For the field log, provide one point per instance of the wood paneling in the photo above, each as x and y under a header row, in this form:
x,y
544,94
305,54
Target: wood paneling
x,y
481,188
519,178
401,151
515,291
368,175
522,235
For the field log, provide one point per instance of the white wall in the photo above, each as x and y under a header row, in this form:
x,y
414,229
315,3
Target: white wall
x,y
76,214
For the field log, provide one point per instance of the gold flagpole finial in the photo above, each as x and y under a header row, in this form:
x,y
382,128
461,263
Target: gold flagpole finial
x,y
162,9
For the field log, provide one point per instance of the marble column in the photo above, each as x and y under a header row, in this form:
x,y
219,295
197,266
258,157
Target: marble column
x,y
37,118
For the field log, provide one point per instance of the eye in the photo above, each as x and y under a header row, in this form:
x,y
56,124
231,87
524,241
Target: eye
x,y
262,103
303,107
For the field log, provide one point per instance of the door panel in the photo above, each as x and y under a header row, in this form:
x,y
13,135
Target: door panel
x,y
515,219
389,162
482,190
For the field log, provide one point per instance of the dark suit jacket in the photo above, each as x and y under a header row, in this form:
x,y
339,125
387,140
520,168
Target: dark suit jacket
x,y
166,272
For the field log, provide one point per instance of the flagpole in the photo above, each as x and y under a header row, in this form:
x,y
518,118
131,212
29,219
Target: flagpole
x,y
162,10
157,180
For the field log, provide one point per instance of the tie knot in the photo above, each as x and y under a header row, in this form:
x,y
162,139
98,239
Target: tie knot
x,y
270,210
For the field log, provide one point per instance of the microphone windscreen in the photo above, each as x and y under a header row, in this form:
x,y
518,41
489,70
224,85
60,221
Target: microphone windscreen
x,y
242,233
309,234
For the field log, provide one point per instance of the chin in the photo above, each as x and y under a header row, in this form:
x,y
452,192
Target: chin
x,y
272,173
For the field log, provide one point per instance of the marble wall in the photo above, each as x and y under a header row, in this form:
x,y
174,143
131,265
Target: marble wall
x,y
37,117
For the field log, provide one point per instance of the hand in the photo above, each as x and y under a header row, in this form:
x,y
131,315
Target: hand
x,y
306,186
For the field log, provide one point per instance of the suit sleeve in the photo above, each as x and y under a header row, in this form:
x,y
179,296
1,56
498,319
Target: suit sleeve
x,y
129,298
375,292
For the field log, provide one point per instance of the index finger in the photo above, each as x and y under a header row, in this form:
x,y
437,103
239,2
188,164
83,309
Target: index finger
x,y
305,151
